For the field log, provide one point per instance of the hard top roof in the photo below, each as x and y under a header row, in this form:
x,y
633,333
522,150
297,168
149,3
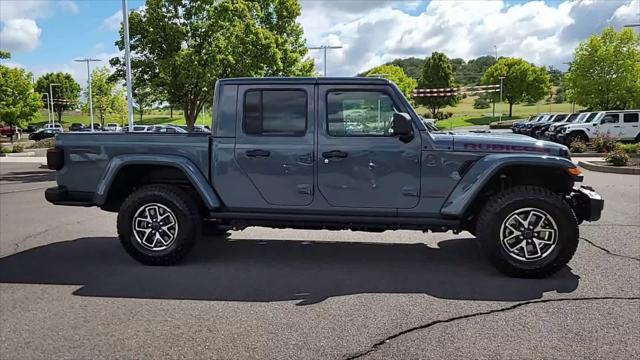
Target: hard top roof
x,y
306,80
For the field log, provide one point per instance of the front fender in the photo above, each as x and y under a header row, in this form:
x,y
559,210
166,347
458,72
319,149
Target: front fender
x,y
189,169
479,175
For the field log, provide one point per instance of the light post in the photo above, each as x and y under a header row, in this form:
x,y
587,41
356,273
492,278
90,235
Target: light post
x,y
48,111
51,85
87,60
501,79
127,58
324,49
496,49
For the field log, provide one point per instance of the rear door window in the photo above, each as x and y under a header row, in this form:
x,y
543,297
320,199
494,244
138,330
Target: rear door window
x,y
275,112
631,117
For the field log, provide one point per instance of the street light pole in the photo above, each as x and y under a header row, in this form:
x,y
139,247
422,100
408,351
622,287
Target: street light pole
x,y
127,58
87,60
501,78
51,85
48,111
496,48
324,49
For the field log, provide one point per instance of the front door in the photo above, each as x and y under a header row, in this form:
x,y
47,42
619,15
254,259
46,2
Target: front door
x,y
609,126
275,142
361,163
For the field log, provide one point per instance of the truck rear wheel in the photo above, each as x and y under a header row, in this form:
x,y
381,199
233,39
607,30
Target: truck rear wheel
x,y
528,231
159,224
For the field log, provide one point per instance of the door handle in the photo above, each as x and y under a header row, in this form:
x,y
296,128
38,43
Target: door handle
x,y
257,153
617,126
334,154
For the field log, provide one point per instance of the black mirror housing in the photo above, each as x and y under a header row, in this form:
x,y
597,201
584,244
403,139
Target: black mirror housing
x,y
402,127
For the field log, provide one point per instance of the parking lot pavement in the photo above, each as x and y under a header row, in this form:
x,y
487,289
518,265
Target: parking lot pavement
x,y
67,290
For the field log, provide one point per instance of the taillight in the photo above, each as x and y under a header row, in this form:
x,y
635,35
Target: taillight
x,y
55,159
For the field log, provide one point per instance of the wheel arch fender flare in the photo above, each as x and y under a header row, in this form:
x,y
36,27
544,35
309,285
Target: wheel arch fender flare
x,y
188,168
484,169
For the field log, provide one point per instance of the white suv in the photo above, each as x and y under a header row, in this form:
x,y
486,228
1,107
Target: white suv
x,y
618,124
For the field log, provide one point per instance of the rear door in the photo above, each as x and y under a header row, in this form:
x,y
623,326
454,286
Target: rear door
x,y
275,141
361,163
630,125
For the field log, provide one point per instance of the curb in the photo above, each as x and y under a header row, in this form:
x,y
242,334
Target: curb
x,y
609,169
22,154
597,155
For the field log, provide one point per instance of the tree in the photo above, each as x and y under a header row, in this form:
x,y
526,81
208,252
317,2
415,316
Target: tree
x,y
5,54
555,76
522,81
405,83
181,48
65,96
144,97
107,98
436,73
19,104
605,71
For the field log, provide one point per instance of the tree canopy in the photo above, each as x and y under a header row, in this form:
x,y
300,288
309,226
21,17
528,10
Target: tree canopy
x,y
5,54
19,104
65,95
605,71
108,98
181,48
405,83
437,72
522,81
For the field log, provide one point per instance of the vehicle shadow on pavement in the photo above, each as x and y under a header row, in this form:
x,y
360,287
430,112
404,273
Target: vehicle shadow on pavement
x,y
278,270
29,176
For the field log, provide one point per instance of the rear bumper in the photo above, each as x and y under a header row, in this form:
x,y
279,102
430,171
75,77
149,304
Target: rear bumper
x,y
58,195
586,203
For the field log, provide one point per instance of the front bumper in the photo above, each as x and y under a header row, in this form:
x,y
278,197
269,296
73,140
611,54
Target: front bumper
x,y
586,203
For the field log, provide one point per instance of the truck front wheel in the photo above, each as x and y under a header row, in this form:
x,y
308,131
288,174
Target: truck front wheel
x,y
528,231
159,224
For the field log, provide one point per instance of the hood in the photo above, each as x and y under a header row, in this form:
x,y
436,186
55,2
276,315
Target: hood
x,y
492,143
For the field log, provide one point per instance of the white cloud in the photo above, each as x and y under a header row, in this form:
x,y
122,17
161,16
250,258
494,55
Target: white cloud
x,y
112,23
374,32
20,35
24,9
69,6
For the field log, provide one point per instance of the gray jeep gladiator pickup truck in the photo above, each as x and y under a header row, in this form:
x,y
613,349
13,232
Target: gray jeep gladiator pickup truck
x,y
327,153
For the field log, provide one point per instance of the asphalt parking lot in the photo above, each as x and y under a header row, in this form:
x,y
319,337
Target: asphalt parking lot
x,y
67,290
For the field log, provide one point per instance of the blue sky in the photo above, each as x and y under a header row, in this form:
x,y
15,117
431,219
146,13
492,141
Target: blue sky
x,y
47,35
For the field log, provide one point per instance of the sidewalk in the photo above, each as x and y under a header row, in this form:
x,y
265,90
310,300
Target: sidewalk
x,y
24,159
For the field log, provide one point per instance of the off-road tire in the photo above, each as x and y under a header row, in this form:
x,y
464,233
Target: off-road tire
x,y
181,205
577,136
506,202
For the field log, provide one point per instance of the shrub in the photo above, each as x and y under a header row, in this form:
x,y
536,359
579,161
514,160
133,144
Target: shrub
x,y
17,148
617,157
603,143
441,116
578,147
6,150
45,143
481,103
629,148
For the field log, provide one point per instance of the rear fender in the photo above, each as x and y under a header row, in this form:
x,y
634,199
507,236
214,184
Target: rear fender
x,y
190,170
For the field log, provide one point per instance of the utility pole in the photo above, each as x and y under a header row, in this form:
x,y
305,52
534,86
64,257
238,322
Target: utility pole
x,y
324,49
53,117
127,58
501,78
496,48
48,111
88,60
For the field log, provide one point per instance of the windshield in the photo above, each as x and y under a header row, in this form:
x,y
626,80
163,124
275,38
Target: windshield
x,y
573,117
595,118
560,117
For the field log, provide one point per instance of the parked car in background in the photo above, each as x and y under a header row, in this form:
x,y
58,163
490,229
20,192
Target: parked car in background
x,y
44,133
551,132
525,129
76,127
197,128
618,124
30,129
139,128
112,127
538,129
53,126
516,126
168,129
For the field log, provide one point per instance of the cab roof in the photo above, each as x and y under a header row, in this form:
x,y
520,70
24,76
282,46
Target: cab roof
x,y
306,80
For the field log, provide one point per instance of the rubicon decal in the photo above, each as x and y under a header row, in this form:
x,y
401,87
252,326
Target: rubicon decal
x,y
506,147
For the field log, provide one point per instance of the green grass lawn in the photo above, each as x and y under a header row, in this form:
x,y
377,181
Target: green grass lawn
x,y
465,115
155,118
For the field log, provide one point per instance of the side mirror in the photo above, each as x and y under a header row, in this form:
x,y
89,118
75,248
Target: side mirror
x,y
402,127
